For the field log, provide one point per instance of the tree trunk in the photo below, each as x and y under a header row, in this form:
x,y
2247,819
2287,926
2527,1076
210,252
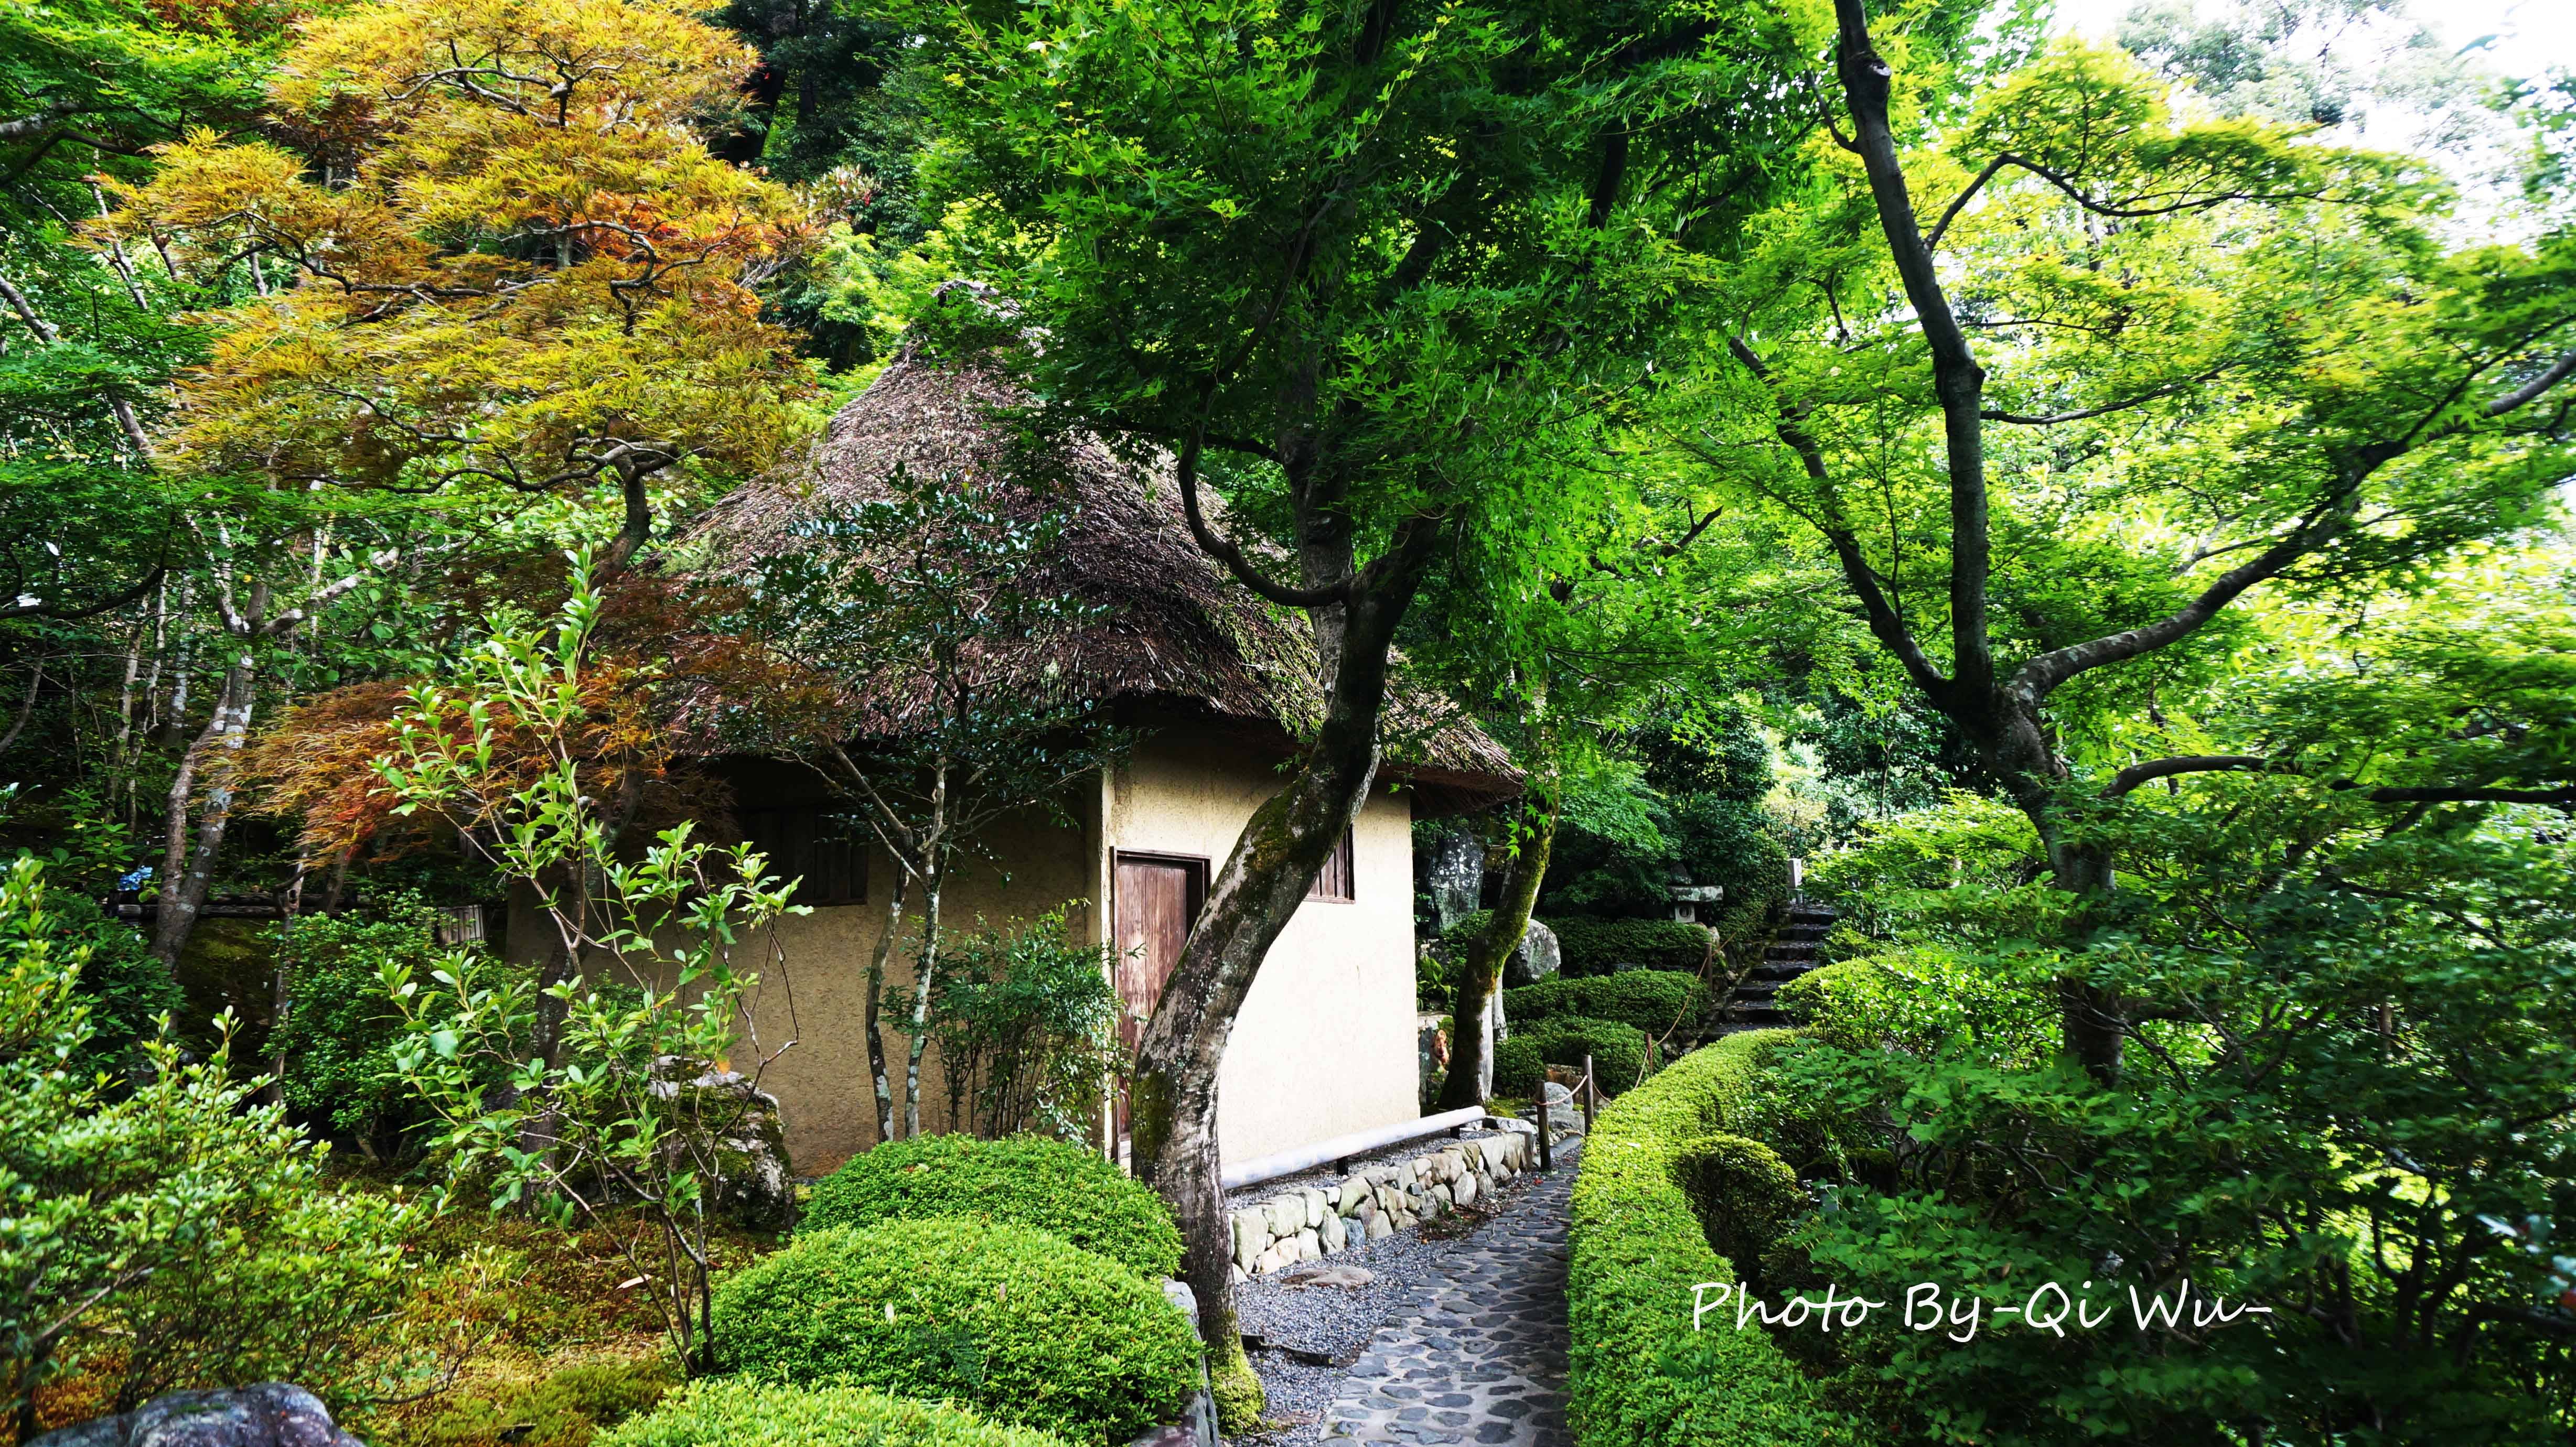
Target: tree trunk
x,y
1264,880
2009,737
183,898
1471,1054
933,879
876,994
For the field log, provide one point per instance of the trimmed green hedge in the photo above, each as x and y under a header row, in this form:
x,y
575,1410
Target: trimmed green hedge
x,y
1618,1053
740,1413
1639,1376
1008,1320
1601,946
1744,1195
1652,1000
1024,1180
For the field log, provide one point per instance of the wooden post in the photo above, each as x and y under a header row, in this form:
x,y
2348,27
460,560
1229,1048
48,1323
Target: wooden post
x,y
1546,1152
1591,1093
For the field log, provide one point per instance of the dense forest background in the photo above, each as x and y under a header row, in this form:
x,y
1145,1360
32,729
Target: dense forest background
x,y
2106,521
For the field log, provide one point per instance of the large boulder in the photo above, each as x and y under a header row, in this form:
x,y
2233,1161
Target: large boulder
x,y
1534,959
272,1414
754,1188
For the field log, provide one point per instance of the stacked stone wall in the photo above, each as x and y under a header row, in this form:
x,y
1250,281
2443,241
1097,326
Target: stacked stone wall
x,y
1312,1222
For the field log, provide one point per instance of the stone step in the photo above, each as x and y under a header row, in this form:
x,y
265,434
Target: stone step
x,y
1755,992
1778,970
1763,1017
1790,952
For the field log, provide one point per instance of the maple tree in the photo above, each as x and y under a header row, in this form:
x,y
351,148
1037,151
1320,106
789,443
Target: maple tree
x,y
505,259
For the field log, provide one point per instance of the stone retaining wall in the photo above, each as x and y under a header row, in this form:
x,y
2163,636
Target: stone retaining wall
x,y
1313,1222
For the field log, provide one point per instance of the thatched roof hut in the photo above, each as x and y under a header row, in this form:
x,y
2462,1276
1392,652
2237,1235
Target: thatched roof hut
x,y
1173,635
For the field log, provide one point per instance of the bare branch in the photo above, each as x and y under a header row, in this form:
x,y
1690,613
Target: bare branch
x,y
2154,769
2562,798
1951,212
1885,623
2041,675
2530,391
1957,379
33,607
2051,419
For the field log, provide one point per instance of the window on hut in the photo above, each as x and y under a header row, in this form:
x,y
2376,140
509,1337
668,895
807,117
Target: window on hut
x,y
811,844
1334,880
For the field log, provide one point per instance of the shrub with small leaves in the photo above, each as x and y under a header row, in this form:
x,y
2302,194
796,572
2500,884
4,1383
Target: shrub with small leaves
x,y
1655,1001
1605,946
1008,1320
1022,1180
1618,1054
733,1412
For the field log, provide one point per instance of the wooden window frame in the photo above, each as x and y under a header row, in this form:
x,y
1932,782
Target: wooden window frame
x,y
805,868
1348,855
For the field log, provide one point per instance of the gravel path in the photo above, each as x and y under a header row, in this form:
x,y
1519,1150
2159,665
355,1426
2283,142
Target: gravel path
x,y
1457,1339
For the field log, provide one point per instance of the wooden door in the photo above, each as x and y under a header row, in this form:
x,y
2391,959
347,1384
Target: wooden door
x,y
1158,900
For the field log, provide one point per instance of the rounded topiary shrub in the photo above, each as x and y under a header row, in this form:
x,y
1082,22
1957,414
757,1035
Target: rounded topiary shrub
x,y
1744,1195
1654,1001
1023,1180
1618,1053
1517,1068
1606,946
1008,1320
743,1413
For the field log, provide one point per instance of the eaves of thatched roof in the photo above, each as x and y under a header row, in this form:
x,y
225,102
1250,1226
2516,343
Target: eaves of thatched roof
x,y
1172,630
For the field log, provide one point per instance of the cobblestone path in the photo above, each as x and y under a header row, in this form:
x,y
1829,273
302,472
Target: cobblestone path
x,y
1478,1354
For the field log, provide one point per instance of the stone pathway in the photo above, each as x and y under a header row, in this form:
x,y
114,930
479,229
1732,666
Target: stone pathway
x,y
1477,1355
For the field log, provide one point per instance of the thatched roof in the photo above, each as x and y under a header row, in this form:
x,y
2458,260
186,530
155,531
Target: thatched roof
x,y
1173,631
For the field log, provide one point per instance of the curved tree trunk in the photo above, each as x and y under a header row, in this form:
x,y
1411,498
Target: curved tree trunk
x,y
1265,879
1471,1055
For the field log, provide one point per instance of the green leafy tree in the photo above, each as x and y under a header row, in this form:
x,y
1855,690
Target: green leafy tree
x,y
605,1106
1366,269
911,607
174,1234
2123,374
2359,1108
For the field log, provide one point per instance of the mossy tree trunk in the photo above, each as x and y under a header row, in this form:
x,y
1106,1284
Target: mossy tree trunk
x,y
1480,975
1355,612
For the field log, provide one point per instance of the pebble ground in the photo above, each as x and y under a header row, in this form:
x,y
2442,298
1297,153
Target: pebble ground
x,y
1458,1341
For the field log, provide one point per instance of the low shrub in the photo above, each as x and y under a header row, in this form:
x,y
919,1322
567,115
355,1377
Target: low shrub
x,y
1022,1180
1652,1000
1517,1069
1005,1319
1639,1375
1435,974
737,1413
566,1409
341,1028
1618,1053
1604,946
171,1233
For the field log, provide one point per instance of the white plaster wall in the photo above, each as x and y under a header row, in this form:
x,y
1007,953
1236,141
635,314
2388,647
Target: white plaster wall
x,y
1324,1045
